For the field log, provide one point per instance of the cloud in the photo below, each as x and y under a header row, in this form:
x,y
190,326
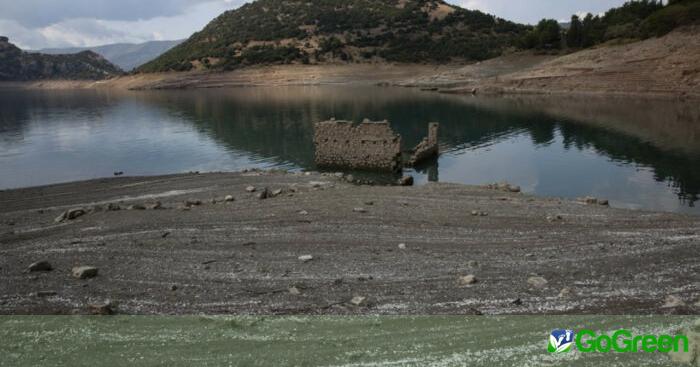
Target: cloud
x,y
66,29
42,13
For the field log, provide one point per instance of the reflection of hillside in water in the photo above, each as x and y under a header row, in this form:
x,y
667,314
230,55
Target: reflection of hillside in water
x,y
277,123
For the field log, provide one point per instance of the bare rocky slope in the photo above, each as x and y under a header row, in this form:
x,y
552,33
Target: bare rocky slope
x,y
325,246
17,65
669,65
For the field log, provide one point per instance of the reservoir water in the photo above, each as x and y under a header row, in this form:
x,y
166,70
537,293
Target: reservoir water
x,y
638,153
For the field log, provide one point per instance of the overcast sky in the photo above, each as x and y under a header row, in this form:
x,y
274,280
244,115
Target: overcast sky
x,y
35,24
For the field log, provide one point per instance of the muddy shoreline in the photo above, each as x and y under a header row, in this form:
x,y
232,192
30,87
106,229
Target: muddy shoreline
x,y
374,249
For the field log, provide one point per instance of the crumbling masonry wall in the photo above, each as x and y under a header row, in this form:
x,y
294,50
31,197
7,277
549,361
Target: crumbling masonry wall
x,y
428,148
366,146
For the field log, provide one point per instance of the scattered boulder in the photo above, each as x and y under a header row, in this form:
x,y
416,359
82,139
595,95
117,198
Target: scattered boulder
x,y
359,210
136,207
251,189
505,187
358,301
468,280
277,193
406,181
71,214
111,207
591,200
306,258
173,288
554,218
350,178
294,291
566,293
475,213
673,302
537,282
155,206
339,174
303,212
103,309
191,203
264,194
229,198
40,266
85,272
402,246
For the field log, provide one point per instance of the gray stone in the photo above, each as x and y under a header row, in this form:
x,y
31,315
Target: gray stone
x,y
306,258
673,302
359,210
250,189
229,198
40,266
294,291
136,207
358,301
71,214
191,203
264,194
303,212
85,272
103,309
402,246
111,207
566,293
468,280
406,181
277,192
537,282
155,206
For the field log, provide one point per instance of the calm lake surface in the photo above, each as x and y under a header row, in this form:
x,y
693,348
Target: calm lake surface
x,y
638,153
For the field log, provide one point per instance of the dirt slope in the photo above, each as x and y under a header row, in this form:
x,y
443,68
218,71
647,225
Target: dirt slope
x,y
669,65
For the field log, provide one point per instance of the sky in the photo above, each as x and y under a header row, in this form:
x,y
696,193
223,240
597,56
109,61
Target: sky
x,y
37,24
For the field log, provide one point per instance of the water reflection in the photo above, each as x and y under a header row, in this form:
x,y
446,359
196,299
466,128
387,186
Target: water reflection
x,y
638,153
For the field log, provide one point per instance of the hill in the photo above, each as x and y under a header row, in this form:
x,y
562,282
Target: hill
x,y
347,31
17,65
125,55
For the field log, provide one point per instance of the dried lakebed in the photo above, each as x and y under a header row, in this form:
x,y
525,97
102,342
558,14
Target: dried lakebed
x,y
326,246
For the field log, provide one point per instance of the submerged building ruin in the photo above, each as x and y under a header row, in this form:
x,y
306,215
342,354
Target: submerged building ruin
x,y
368,145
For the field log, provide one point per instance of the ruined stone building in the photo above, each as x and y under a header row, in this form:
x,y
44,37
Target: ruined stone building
x,y
368,145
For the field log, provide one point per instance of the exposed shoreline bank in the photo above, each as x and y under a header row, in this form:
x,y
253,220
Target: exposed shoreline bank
x,y
663,67
374,249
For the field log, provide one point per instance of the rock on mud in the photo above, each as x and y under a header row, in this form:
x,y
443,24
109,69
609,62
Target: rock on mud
x,y
537,282
40,266
71,214
85,272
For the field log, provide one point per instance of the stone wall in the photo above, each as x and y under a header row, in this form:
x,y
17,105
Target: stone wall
x,y
428,148
366,146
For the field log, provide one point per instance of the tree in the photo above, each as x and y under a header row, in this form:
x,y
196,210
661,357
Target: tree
x,y
574,37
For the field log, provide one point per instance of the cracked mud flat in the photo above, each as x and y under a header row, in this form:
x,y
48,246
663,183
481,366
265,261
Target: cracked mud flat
x,y
242,257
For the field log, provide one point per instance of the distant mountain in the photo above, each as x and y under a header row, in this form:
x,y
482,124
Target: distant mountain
x,y
18,65
126,55
341,31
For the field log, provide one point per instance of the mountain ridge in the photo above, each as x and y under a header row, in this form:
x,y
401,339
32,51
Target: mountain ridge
x,y
127,56
18,65
347,31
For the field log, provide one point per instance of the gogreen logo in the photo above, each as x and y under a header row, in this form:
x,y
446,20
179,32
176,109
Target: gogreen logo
x,y
560,341
621,341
